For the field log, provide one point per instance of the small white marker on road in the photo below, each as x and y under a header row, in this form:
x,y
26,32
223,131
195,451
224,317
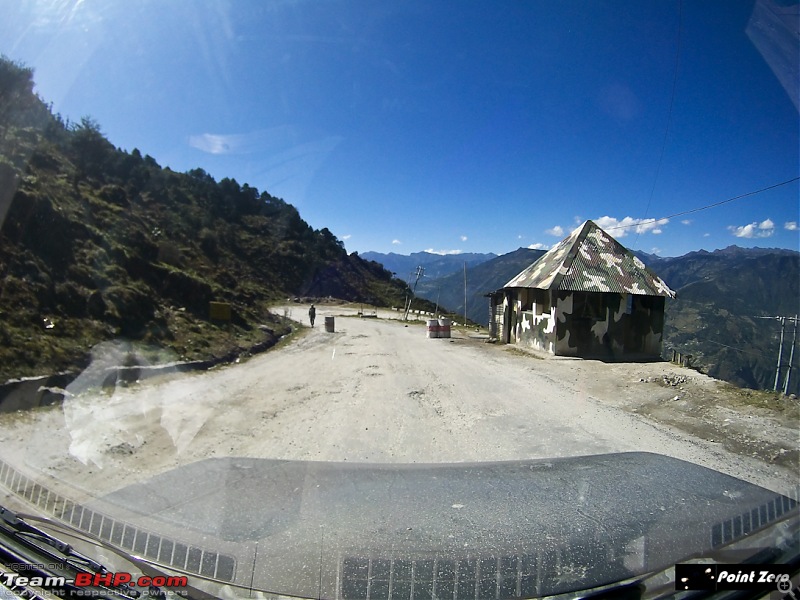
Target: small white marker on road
x,y
334,354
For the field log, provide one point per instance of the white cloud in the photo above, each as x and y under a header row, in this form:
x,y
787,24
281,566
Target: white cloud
x,y
346,237
607,223
655,250
557,231
463,238
442,252
214,143
790,226
538,246
706,235
287,158
754,230
620,229
282,139
396,242
687,221
745,231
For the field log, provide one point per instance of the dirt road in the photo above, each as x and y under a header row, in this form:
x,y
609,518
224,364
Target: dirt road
x,y
377,390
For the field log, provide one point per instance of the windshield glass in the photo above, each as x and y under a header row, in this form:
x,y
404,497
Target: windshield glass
x,y
431,299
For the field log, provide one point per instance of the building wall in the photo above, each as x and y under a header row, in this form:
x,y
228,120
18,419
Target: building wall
x,y
496,328
608,325
565,323
498,305
648,322
536,320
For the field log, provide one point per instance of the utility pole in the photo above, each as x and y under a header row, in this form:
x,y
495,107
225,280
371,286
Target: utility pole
x,y
419,273
778,365
780,356
465,293
791,360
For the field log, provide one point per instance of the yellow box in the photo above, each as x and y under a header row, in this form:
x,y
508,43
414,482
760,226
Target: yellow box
x,y
219,311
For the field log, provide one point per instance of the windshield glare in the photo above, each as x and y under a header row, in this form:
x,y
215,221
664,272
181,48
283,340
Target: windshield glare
x,y
428,300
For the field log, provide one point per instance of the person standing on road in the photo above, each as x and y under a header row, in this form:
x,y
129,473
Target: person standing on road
x,y
312,312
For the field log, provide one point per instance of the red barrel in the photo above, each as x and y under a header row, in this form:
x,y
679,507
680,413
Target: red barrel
x,y
444,328
433,328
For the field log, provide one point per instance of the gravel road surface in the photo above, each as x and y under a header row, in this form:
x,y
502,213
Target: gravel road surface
x,y
377,390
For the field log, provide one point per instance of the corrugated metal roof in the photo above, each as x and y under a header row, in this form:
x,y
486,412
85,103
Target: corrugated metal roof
x,y
590,260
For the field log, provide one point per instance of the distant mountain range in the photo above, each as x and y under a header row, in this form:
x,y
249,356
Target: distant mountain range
x,y
722,297
435,265
482,278
716,317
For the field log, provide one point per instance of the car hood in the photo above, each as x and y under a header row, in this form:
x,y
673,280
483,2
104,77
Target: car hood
x,y
500,529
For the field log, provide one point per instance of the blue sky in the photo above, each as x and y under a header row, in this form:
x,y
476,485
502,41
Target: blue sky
x,y
451,126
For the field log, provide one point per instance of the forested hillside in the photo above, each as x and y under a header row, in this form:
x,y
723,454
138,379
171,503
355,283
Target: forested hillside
x,y
720,313
97,243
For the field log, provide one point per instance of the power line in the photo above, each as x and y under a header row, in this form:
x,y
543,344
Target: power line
x,y
700,339
669,112
706,207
